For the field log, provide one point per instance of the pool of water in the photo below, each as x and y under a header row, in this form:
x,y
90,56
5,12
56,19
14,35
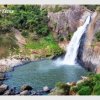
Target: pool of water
x,y
41,73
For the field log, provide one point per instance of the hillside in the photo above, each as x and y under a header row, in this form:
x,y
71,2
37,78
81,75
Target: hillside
x,y
29,29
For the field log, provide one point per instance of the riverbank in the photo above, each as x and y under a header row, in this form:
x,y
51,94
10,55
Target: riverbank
x,y
69,88
24,90
8,63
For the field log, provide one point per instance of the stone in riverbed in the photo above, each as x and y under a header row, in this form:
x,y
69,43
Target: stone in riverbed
x,y
25,92
26,87
2,76
33,92
46,89
9,92
1,82
3,88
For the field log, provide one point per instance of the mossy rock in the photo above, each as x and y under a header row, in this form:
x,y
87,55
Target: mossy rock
x,y
26,87
61,89
58,91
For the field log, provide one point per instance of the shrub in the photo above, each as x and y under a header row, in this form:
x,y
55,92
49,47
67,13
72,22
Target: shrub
x,y
64,87
91,7
96,77
69,36
74,88
97,35
60,89
5,23
96,89
57,8
25,34
61,85
89,83
7,44
85,90
3,52
98,8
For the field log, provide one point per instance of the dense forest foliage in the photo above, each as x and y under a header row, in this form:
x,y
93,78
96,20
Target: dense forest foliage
x,y
32,22
25,17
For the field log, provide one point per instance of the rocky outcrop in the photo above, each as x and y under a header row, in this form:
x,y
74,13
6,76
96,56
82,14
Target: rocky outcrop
x,y
89,53
10,62
26,87
25,92
3,88
89,50
20,39
46,89
67,21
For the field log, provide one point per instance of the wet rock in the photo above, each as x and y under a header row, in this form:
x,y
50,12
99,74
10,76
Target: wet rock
x,y
80,81
25,92
40,92
26,87
10,92
46,89
58,55
71,83
7,92
34,93
2,76
3,88
1,82
85,78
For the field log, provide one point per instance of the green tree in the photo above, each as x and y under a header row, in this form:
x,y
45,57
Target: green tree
x,y
31,18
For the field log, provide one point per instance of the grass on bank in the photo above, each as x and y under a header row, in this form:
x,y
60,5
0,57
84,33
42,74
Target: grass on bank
x,y
46,43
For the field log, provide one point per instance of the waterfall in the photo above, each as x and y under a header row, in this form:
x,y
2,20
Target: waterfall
x,y
72,48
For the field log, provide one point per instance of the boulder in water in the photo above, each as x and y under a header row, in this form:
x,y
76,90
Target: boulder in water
x,y
26,87
25,92
2,76
46,89
10,92
34,93
3,88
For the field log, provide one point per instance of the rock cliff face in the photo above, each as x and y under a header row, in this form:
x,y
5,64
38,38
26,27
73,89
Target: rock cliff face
x,y
67,22
89,51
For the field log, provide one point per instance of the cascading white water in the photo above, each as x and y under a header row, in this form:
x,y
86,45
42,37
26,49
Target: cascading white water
x,y
71,50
